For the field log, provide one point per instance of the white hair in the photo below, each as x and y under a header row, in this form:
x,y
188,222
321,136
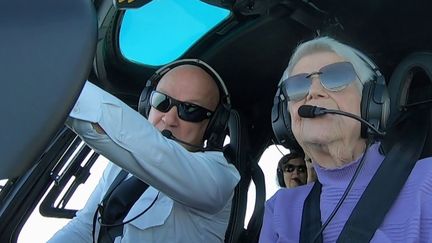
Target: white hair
x,y
363,69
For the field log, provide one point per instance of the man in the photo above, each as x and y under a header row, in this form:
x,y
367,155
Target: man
x,y
189,194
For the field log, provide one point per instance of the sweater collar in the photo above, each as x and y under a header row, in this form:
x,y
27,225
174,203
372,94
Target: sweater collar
x,y
341,176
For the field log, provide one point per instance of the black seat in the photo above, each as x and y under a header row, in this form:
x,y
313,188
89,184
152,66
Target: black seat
x,y
237,153
410,91
233,154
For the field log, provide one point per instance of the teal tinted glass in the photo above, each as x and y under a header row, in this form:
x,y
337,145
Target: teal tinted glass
x,y
162,30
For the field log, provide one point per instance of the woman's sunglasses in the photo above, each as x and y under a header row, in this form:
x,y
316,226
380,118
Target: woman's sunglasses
x,y
333,77
290,168
186,111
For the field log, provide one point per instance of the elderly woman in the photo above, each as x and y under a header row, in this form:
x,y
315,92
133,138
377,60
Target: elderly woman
x,y
326,73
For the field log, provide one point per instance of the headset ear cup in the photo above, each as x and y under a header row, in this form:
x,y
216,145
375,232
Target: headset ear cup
x,y
375,103
215,131
280,177
281,123
290,135
144,101
375,106
385,105
364,107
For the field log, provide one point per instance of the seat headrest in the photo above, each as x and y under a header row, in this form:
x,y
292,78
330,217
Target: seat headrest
x,y
410,83
234,129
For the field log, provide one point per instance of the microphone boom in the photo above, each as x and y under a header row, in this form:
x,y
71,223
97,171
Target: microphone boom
x,y
168,134
309,111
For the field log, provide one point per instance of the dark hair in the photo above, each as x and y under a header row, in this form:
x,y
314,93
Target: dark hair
x,y
287,157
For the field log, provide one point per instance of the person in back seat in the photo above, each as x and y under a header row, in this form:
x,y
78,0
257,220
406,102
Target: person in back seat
x,y
163,185
293,171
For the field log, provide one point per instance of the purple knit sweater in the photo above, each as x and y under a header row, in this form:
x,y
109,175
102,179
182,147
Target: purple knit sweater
x,y
409,219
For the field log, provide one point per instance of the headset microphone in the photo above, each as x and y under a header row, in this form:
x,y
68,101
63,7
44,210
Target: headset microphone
x,y
308,111
168,134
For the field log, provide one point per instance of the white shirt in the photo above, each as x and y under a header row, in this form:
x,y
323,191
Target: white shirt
x,y
195,189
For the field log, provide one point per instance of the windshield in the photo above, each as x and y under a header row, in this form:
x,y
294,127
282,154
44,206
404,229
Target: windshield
x,y
163,30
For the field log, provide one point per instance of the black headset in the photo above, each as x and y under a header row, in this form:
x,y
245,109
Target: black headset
x,y
279,172
375,107
215,131
280,177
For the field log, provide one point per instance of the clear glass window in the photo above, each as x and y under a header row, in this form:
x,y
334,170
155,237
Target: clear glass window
x,y
268,163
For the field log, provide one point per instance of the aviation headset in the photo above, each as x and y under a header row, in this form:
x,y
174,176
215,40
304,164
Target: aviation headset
x,y
375,107
279,172
215,131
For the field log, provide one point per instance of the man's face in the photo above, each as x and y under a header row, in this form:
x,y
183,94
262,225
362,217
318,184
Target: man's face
x,y
295,173
189,84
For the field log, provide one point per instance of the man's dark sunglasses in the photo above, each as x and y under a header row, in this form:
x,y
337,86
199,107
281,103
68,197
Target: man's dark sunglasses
x,y
290,168
186,111
333,77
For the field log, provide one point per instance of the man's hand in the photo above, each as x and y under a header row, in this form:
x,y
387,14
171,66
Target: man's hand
x,y
98,128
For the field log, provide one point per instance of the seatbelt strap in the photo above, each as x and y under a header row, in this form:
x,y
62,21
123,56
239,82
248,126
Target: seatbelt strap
x,y
311,218
386,184
119,178
117,205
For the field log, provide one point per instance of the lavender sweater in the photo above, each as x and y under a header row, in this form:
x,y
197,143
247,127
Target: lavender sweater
x,y
409,219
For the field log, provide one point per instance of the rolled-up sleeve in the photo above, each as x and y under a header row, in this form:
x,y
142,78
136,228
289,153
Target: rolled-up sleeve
x,y
202,180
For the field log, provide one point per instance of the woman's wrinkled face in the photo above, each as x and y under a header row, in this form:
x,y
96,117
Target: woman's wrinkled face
x,y
327,128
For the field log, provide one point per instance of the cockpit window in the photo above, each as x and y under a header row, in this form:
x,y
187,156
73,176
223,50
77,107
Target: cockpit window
x,y
162,30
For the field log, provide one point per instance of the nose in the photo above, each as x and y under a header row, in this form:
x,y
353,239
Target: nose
x,y
316,90
170,118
